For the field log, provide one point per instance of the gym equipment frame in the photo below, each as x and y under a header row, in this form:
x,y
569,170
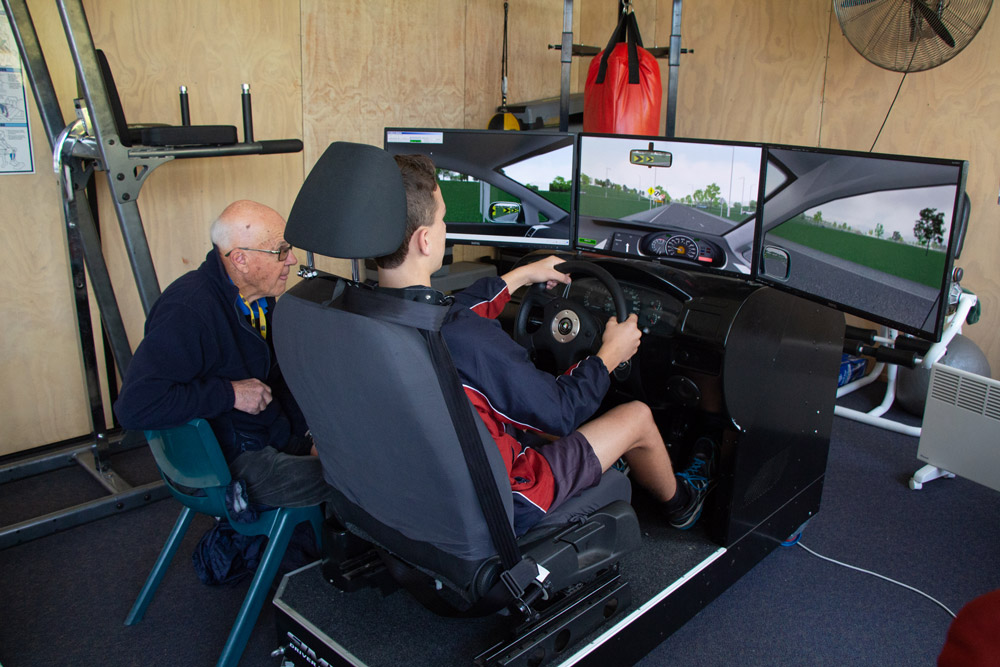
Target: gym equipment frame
x,y
94,142
568,49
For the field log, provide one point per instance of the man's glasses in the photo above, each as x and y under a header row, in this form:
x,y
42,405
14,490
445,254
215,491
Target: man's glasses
x,y
281,252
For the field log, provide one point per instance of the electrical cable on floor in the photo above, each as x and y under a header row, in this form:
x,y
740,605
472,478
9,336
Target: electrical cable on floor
x,y
876,574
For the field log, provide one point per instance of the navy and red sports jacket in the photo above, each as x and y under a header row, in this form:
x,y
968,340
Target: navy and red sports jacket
x,y
511,395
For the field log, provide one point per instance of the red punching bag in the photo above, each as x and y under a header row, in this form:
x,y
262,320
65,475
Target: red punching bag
x,y
622,94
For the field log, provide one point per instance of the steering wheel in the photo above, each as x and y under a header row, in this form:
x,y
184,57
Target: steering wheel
x,y
568,331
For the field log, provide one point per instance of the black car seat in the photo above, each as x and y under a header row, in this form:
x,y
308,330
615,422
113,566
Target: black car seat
x,y
389,419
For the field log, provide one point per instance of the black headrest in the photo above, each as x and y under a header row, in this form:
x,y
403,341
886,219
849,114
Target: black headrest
x,y
352,204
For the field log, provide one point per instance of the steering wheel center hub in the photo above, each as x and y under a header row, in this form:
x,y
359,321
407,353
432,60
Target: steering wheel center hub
x,y
565,326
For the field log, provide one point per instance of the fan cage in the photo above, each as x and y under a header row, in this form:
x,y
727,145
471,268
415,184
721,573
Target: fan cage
x,y
894,35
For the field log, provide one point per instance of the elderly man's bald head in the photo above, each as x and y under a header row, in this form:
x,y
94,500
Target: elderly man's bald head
x,y
244,223
249,238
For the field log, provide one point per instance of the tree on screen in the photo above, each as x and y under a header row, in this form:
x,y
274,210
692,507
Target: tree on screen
x,y
929,228
712,193
559,184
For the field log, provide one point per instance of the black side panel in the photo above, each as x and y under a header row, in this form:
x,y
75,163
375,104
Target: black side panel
x,y
780,375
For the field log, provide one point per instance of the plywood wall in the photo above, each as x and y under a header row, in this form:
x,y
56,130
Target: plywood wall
x,y
38,325
368,66
756,73
328,70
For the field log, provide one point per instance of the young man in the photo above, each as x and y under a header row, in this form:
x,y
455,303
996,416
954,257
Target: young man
x,y
512,396
208,353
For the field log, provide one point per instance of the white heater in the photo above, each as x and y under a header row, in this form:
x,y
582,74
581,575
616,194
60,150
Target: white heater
x,y
961,427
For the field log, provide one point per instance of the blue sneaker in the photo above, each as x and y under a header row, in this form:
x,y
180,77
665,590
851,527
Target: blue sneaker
x,y
622,466
697,478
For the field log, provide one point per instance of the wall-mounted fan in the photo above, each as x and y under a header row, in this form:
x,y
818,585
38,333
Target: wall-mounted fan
x,y
910,35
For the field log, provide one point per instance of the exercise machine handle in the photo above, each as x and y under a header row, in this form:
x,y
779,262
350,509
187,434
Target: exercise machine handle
x,y
280,146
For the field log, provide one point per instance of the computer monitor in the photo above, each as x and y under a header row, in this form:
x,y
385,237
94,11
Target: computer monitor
x,y
500,188
687,202
874,235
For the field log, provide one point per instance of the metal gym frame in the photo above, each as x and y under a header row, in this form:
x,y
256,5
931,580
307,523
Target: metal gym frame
x,y
92,143
568,49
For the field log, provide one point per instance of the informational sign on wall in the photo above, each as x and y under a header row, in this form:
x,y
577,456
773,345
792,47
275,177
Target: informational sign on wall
x,y
15,135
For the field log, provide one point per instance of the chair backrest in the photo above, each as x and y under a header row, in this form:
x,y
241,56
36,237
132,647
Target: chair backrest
x,y
368,386
189,458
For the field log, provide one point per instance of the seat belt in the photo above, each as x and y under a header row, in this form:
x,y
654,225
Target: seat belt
x,y
518,573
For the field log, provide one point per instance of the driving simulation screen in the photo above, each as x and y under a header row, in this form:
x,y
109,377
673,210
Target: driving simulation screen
x,y
499,188
870,233
690,202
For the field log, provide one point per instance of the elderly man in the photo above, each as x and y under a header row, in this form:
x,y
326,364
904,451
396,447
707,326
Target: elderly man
x,y
208,353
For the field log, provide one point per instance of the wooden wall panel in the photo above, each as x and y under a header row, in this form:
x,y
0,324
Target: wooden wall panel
x,y
948,111
534,70
756,73
366,66
42,390
371,65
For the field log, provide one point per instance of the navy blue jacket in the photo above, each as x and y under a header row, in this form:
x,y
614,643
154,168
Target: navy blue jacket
x,y
197,341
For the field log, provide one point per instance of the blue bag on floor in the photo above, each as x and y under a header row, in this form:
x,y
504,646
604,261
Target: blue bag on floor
x,y
225,557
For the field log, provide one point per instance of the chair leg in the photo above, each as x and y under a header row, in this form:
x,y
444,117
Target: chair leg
x,y
160,568
247,617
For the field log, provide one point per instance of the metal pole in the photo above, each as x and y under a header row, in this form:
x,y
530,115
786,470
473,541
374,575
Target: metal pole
x,y
124,177
566,58
675,63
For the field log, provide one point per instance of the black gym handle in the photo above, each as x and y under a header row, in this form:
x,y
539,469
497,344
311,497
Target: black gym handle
x,y
280,146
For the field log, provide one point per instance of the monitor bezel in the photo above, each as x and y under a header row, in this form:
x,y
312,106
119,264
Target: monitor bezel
x,y
681,264
956,232
527,243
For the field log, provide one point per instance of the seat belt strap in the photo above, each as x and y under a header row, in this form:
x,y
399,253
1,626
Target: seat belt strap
x,y
428,319
479,467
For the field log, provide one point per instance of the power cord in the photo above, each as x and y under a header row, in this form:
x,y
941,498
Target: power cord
x,y
875,574
891,104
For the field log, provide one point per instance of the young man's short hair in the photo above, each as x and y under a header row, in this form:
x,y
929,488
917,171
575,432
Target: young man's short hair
x,y
420,182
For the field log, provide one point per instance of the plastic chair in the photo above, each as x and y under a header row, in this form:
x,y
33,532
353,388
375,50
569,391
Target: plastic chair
x,y
190,456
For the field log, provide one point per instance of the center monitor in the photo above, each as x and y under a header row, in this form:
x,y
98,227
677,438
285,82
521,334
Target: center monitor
x,y
691,202
499,188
